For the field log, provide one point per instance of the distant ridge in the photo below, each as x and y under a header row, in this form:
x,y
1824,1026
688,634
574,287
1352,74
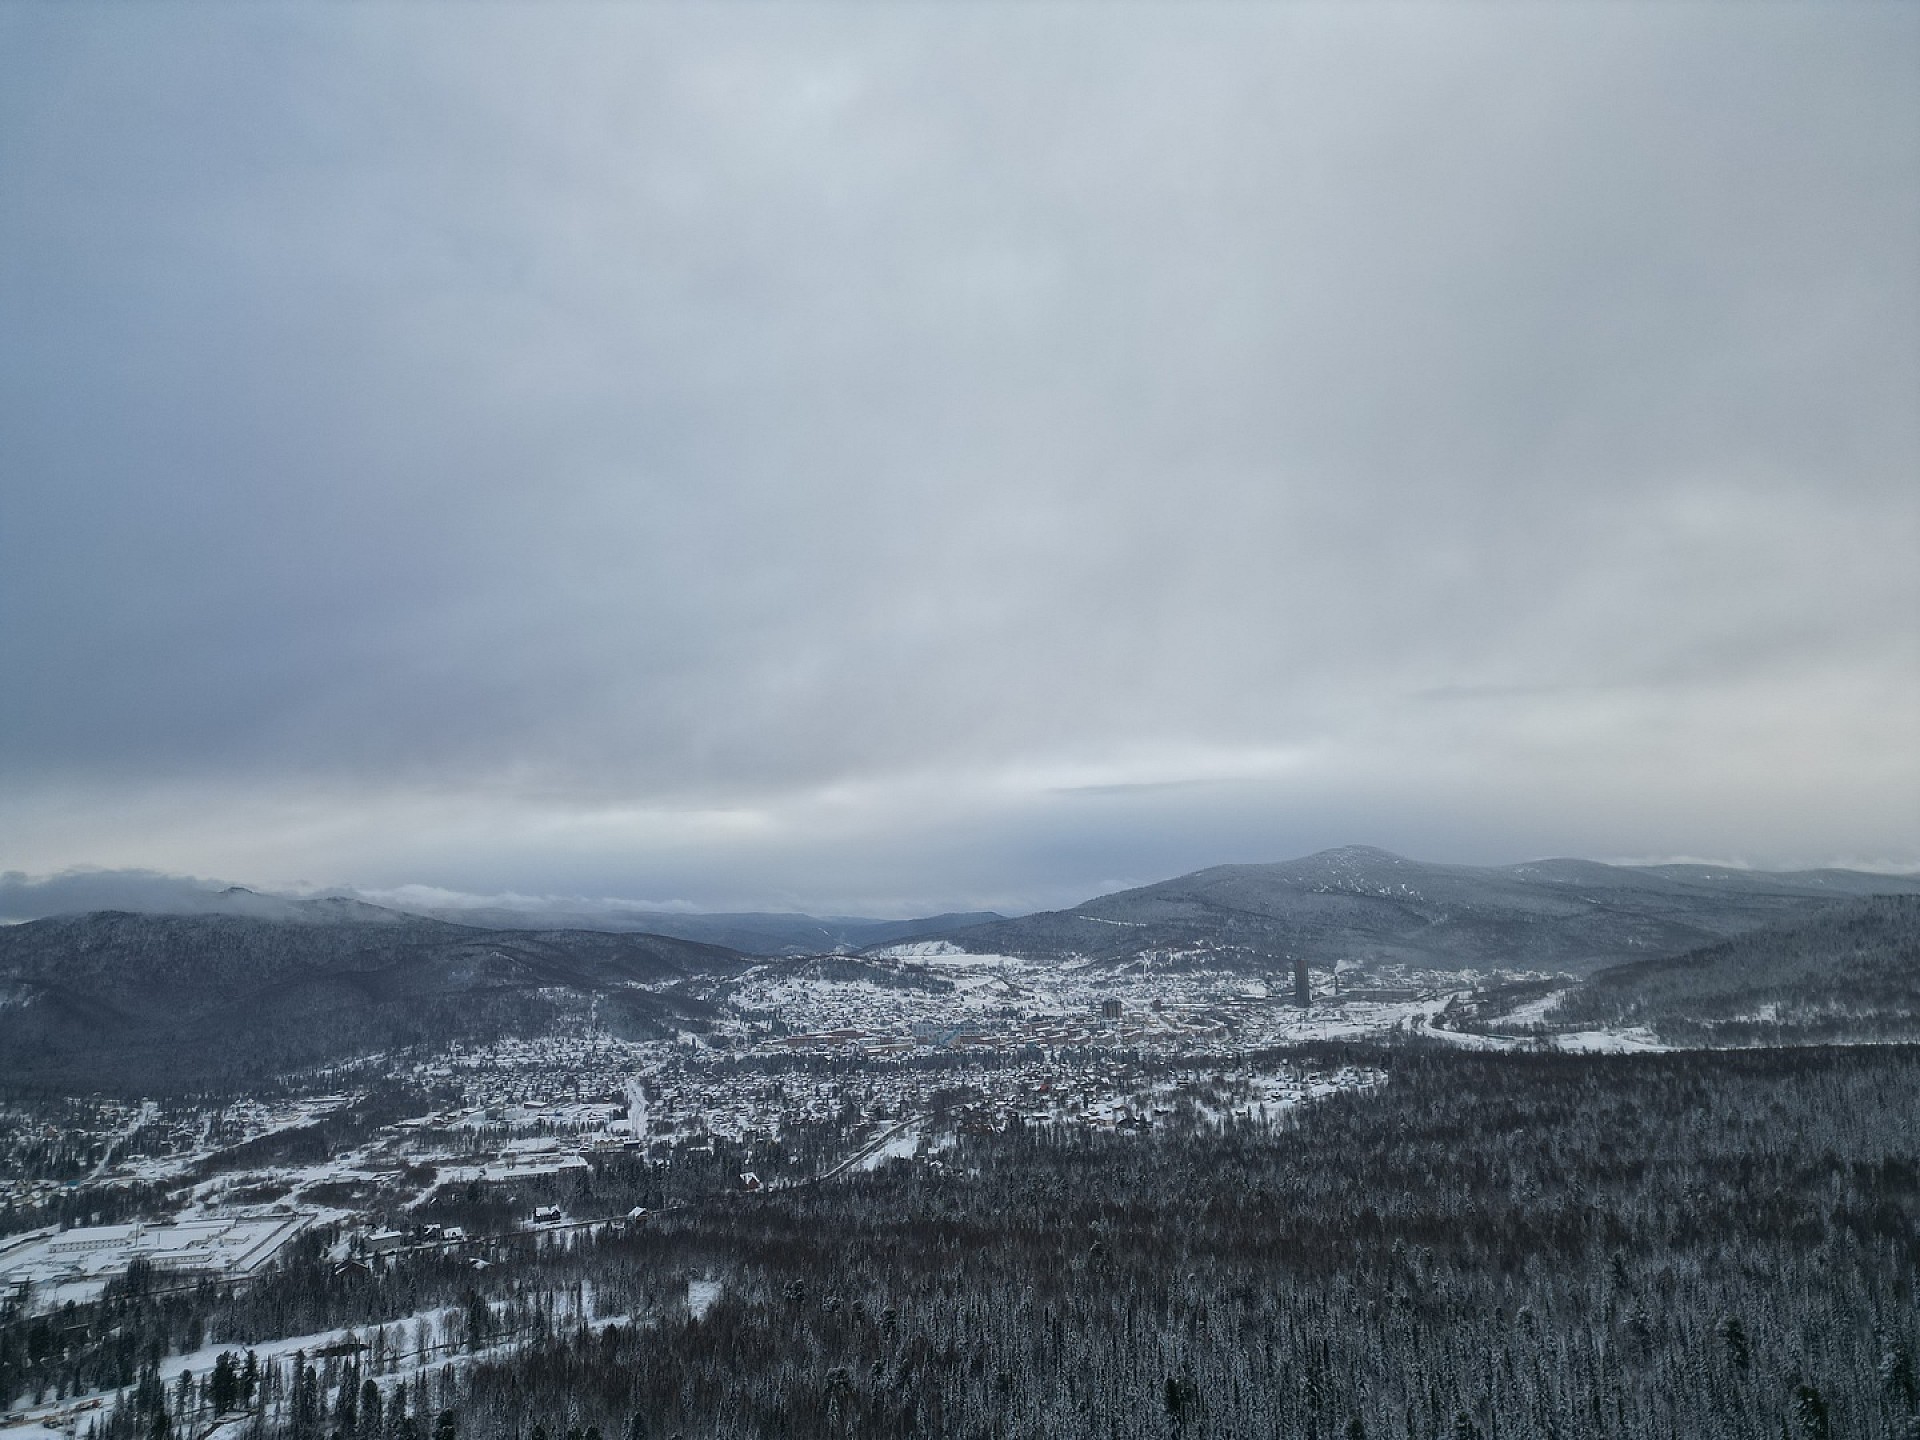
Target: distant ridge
x,y
1362,906
255,986
751,932
1847,972
1356,904
165,1003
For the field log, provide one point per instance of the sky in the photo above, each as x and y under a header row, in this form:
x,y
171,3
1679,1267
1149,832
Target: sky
x,y
894,458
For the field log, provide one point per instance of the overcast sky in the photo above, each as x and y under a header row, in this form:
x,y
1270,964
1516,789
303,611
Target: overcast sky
x,y
899,457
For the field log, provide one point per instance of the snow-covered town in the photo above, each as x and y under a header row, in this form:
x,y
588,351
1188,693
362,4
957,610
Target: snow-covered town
x,y
793,1073
815,1067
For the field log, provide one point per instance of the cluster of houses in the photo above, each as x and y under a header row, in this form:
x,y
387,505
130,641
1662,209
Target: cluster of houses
x,y
1153,1025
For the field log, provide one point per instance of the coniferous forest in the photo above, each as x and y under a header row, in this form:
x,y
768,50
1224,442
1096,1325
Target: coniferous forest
x,y
1708,1244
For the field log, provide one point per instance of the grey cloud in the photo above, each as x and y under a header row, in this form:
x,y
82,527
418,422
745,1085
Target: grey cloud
x,y
553,416
74,892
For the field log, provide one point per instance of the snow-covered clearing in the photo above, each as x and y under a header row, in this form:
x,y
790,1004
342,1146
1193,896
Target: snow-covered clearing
x,y
1632,1041
425,1340
901,1147
1534,1012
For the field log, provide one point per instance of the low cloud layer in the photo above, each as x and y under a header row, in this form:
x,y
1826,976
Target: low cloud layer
x,y
886,459
31,897
77,892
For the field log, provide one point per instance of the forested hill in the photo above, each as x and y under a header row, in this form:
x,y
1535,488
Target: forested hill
x,y
777,933
1713,1245
1368,906
1850,971
169,1002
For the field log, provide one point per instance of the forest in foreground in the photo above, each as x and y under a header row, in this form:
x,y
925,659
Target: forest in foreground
x,y
1500,1246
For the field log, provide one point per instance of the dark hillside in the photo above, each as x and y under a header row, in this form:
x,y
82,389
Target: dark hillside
x,y
1360,905
1850,971
751,933
159,1003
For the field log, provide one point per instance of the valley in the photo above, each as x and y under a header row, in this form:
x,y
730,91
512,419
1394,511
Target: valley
x,y
386,1165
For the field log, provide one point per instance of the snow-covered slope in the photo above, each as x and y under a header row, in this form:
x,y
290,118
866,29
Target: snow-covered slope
x,y
1380,910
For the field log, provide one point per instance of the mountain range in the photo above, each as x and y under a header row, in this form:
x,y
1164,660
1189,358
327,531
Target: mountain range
x,y
1845,973
750,932
81,892
185,1001
263,984
1371,909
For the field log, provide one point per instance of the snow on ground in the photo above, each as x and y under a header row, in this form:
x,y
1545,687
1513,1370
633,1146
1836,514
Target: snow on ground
x,y
147,1112
511,1169
1001,1001
76,1264
41,1429
939,955
1469,1040
1635,1040
246,1120
902,1147
636,1110
530,1145
421,1340
46,1419
700,1297
1534,1012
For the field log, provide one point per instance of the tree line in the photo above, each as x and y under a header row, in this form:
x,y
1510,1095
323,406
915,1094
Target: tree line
x,y
1491,1246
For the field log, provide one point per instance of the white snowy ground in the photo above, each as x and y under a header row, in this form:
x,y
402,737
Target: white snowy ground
x,y
1632,1040
1534,1012
252,1120
901,1147
444,1348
